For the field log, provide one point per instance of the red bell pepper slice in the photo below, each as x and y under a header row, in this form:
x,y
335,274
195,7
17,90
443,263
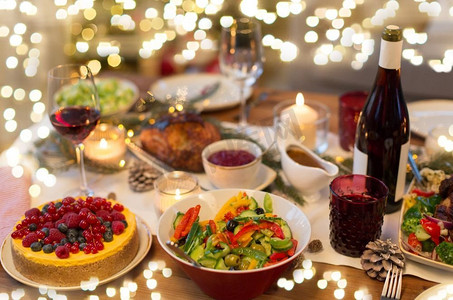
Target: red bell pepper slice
x,y
414,242
432,229
422,193
182,225
228,216
213,226
278,232
277,256
291,251
241,209
193,217
247,228
232,243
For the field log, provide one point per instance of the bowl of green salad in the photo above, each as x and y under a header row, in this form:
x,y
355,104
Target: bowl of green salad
x,y
242,240
115,95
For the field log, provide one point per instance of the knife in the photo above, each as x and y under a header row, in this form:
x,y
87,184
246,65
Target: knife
x,y
148,158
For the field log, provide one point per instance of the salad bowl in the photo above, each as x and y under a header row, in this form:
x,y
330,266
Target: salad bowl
x,y
234,284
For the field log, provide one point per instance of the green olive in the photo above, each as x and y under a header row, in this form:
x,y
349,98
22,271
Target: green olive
x,y
244,264
258,247
232,260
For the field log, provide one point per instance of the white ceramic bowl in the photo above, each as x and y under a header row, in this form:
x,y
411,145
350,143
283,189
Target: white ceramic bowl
x,y
224,284
232,177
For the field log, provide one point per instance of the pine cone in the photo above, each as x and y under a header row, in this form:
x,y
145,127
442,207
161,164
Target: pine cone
x,y
142,176
379,257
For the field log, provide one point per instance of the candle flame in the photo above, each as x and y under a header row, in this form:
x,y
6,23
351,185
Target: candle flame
x,y
177,194
300,99
103,144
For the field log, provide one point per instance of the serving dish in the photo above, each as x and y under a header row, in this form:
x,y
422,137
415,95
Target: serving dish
x,y
115,95
426,114
440,291
192,86
225,284
404,237
145,241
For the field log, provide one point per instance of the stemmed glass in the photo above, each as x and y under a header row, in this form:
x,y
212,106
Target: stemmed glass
x,y
73,108
241,57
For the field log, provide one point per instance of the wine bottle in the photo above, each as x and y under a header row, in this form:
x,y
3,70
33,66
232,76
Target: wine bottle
x,y
382,136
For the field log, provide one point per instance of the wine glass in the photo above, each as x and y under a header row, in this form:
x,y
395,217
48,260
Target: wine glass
x,y
73,108
241,57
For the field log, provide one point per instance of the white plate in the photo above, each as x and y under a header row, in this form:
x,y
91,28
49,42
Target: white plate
x,y
192,85
442,291
265,177
123,84
426,114
144,237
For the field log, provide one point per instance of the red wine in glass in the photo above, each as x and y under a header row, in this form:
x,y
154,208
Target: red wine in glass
x,y
75,122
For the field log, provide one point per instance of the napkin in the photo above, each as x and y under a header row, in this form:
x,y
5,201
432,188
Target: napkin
x,y
14,199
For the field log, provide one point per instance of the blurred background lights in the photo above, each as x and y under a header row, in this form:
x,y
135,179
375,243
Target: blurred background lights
x,y
339,294
322,284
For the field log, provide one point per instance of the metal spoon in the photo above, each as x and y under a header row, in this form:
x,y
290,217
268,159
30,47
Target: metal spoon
x,y
178,251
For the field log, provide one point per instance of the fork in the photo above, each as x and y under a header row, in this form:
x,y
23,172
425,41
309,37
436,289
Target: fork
x,y
392,285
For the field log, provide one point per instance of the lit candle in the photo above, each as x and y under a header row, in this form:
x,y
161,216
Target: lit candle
x,y
106,145
302,121
173,187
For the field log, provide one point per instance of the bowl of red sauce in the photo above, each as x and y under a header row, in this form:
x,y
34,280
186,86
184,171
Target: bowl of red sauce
x,y
232,163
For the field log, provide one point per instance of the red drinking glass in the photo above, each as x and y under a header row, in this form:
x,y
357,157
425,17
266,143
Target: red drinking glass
x,y
357,206
351,104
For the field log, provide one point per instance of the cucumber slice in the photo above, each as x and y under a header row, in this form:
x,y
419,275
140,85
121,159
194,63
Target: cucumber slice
x,y
281,245
178,219
207,262
197,253
237,228
221,226
286,230
220,265
247,213
253,203
268,203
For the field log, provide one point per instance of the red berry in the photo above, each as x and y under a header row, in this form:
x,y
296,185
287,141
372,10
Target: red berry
x,y
67,200
47,240
117,216
55,217
77,208
74,249
51,209
48,224
42,220
40,234
83,213
94,250
83,224
55,235
62,252
99,245
19,226
118,207
29,239
87,235
117,227
92,219
102,214
102,229
17,234
68,245
25,222
72,219
33,212
97,236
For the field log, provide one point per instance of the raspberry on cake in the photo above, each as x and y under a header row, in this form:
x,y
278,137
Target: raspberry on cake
x,y
70,240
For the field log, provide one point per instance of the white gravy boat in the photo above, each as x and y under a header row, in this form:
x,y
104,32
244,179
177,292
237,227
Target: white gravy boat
x,y
307,180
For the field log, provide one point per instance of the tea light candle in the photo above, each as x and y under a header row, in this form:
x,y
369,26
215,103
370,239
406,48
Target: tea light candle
x,y
302,121
106,144
174,186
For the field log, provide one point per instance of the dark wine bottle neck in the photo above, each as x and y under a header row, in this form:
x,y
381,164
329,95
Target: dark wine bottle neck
x,y
388,77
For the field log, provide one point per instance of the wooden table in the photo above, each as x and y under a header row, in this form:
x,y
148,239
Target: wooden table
x,y
179,286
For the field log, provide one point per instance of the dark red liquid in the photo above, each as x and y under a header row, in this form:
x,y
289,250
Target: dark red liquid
x,y
75,122
351,105
231,158
355,220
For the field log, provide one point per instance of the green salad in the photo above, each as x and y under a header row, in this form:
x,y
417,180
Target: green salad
x,y
242,235
114,95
